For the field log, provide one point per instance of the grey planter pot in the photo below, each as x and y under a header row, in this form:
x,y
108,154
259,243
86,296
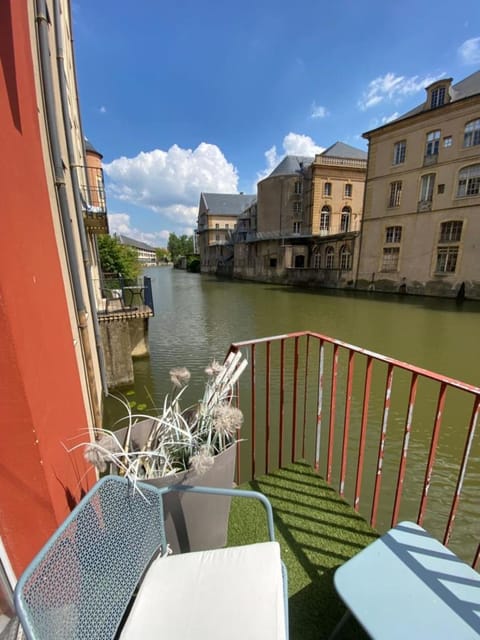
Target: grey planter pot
x,y
193,522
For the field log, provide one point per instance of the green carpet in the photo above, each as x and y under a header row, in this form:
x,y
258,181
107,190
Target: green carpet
x,y
317,532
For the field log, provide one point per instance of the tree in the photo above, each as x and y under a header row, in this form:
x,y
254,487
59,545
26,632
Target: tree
x,y
117,258
180,246
163,255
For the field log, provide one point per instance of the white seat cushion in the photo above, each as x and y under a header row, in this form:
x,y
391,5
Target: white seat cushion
x,y
207,595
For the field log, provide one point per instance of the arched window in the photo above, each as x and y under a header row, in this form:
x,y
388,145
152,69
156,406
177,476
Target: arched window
x,y
345,258
471,135
329,258
345,220
325,218
469,181
316,260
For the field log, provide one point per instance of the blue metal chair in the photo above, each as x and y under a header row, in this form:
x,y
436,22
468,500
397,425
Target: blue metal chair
x,y
105,573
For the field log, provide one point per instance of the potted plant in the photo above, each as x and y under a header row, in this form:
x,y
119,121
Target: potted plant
x,y
194,446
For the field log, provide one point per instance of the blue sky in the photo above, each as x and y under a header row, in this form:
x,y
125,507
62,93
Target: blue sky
x,y
190,96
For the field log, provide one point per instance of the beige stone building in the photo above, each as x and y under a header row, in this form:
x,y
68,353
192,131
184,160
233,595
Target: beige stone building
x,y
421,225
307,220
217,218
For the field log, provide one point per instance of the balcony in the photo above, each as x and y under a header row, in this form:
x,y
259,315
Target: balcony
x,y
124,299
94,201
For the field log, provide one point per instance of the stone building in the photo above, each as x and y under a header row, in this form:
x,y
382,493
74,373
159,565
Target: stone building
x,y
306,220
421,225
217,217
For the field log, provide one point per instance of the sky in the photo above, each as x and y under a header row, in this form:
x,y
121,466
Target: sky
x,y
209,95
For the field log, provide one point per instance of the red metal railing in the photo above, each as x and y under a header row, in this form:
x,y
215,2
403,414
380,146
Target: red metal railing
x,y
399,441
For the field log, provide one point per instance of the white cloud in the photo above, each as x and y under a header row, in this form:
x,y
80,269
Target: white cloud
x,y
387,119
392,87
170,182
318,111
120,223
470,51
294,144
103,109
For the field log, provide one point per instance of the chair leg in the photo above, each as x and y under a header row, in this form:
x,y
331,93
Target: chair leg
x,y
339,626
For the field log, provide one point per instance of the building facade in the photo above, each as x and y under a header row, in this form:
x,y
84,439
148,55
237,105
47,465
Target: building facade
x,y
306,221
421,224
146,254
217,217
51,364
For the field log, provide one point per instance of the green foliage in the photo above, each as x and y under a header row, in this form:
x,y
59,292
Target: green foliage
x,y
180,246
163,255
193,264
117,258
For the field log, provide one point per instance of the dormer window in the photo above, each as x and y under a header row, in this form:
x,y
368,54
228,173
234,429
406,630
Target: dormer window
x,y
438,97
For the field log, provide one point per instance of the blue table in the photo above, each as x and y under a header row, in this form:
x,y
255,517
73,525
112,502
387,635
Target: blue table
x,y
407,585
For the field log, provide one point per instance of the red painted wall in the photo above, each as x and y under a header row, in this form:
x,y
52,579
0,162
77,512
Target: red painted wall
x,y
41,403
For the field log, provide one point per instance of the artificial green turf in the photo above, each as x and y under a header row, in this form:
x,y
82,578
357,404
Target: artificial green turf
x,y
317,531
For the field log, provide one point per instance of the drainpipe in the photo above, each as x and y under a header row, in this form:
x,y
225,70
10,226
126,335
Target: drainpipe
x,y
77,191
360,241
58,166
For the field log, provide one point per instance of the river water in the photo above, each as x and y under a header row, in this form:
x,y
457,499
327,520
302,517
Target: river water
x,y
197,317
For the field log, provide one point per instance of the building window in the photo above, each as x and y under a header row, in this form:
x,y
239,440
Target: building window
x,y
390,258
345,258
447,141
393,234
426,187
217,226
327,189
325,219
329,258
348,190
441,188
471,135
298,187
345,219
438,97
226,226
399,151
469,181
395,193
217,237
316,260
446,259
296,227
451,231
297,208
433,141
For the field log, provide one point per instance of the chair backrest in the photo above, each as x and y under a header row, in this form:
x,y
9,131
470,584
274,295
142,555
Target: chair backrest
x,y
80,584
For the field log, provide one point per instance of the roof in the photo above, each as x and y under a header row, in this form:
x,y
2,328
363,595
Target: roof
x,y
227,204
131,242
342,150
295,165
89,147
291,165
469,86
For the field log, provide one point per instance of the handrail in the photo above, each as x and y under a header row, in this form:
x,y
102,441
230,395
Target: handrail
x,y
378,432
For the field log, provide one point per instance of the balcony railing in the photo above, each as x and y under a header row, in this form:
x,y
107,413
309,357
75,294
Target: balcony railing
x,y
94,201
333,230
126,297
377,428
